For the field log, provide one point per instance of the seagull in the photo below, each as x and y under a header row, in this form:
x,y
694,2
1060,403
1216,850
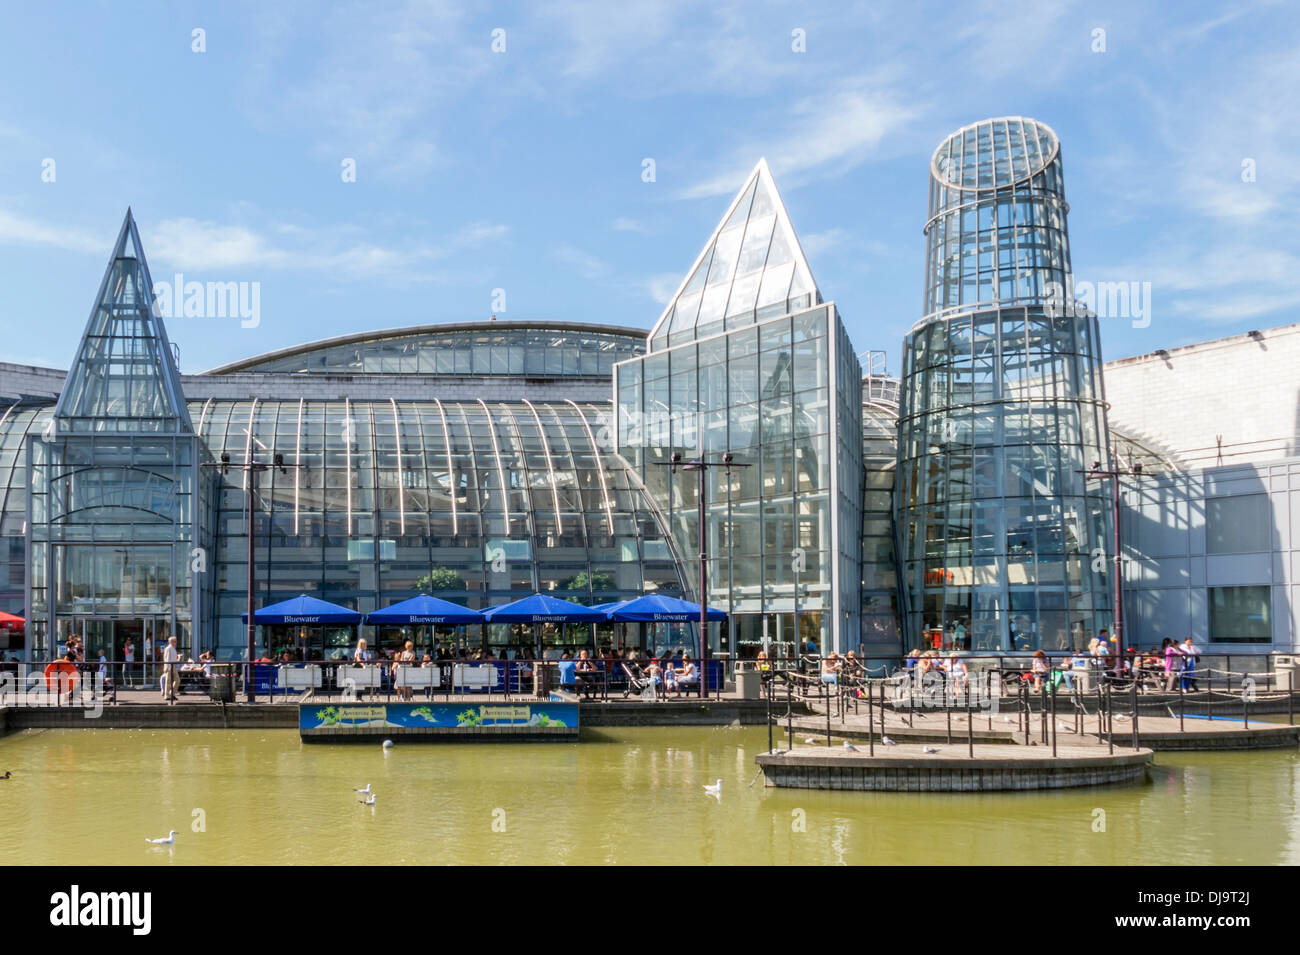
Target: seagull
x,y
167,840
364,792
810,741
715,790
849,746
1060,725
778,752
388,744
929,749
887,741
368,801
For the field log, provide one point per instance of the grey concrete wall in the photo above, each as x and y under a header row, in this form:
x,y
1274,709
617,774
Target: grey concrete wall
x,y
1168,570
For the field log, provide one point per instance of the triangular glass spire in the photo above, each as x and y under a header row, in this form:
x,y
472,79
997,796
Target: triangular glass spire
x,y
751,268
124,378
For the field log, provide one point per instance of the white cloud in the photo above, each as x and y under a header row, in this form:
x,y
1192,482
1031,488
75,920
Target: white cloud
x,y
18,229
584,263
825,134
624,224
814,243
661,287
187,243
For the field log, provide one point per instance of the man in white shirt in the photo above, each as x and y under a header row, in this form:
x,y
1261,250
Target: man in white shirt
x,y
171,671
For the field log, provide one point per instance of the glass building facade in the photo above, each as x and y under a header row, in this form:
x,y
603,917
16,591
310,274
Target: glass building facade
x,y
746,359
1002,410
487,461
118,504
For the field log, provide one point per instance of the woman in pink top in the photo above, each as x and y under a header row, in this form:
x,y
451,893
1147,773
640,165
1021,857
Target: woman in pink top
x,y
1173,663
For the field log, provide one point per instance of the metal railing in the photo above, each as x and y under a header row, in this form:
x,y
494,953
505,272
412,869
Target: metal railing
x,y
1105,698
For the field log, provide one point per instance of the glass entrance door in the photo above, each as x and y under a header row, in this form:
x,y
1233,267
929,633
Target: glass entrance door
x,y
128,646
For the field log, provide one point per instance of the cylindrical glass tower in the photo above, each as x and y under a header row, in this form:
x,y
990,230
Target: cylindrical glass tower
x,y
1003,544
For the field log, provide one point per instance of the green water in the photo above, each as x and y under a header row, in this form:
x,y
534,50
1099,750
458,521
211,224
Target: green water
x,y
620,796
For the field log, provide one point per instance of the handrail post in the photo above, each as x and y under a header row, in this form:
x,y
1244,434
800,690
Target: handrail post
x,y
1053,717
1110,720
826,689
871,719
769,717
1024,703
882,709
1181,727
970,725
1042,705
789,713
1135,712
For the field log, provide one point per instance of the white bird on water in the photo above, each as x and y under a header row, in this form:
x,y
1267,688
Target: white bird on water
x,y
388,744
364,792
368,801
715,790
167,840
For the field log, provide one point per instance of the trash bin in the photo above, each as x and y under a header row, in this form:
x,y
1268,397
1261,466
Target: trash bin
x,y
1288,673
222,689
748,684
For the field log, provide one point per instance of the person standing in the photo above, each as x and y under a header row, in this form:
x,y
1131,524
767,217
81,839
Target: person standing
x,y
1173,663
404,659
128,667
1190,654
171,671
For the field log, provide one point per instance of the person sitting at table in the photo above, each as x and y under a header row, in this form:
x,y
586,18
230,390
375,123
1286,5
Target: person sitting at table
x,y
1039,668
831,668
565,668
655,674
687,674
851,666
586,671
670,674
207,659
958,673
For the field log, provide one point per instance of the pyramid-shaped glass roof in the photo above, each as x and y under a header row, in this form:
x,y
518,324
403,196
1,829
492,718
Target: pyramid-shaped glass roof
x,y
124,378
751,268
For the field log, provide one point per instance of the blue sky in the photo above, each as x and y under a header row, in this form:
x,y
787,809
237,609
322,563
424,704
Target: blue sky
x,y
522,170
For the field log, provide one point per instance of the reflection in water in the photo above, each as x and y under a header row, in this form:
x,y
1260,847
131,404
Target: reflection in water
x,y
620,796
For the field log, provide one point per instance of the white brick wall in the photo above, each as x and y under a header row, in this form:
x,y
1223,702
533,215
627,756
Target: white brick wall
x,y
1244,388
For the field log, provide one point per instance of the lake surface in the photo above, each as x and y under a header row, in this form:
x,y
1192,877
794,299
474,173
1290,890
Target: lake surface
x,y
81,797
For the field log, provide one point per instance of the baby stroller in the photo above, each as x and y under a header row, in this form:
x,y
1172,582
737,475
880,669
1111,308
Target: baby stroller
x,y
637,683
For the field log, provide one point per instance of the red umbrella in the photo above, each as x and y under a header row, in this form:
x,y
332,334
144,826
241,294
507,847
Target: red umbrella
x,y
10,622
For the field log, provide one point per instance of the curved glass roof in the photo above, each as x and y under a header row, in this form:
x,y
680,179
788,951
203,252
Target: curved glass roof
x,y
993,153
550,350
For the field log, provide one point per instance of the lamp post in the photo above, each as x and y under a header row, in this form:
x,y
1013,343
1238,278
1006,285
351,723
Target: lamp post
x,y
250,469
700,466
1113,474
